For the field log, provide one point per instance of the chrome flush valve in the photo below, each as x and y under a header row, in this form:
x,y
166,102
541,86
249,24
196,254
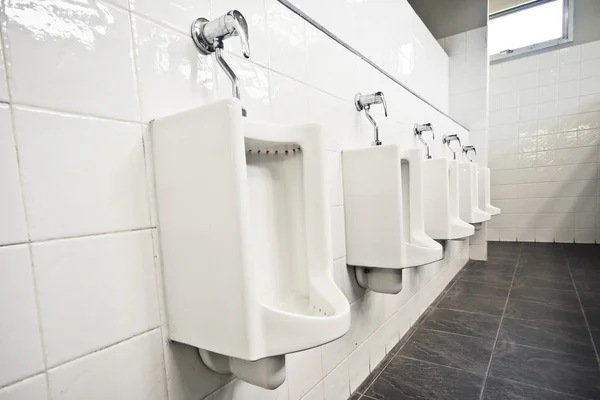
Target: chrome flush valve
x,y
467,149
364,102
447,139
419,129
208,36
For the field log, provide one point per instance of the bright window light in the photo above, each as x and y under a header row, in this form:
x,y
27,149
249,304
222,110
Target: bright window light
x,y
526,27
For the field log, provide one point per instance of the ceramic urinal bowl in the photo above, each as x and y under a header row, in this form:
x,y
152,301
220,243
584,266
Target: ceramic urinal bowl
x,y
245,236
484,192
469,194
383,199
441,202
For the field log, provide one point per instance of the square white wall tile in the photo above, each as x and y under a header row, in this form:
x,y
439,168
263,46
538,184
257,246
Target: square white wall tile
x,y
29,389
358,366
13,228
177,14
20,347
303,371
172,75
336,385
289,99
91,61
80,175
287,41
94,292
133,369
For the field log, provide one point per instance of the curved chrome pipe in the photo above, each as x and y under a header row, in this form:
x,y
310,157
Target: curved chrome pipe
x,y
467,149
208,36
418,130
447,139
364,102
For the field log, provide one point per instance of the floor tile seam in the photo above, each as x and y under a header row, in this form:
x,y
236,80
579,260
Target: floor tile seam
x,y
410,336
456,334
440,365
541,302
583,312
469,312
550,350
487,373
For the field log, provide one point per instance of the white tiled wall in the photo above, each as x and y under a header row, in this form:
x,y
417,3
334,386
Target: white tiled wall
x,y
469,85
545,146
392,35
81,309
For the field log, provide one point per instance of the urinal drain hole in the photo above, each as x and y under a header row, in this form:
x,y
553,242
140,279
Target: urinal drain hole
x,y
320,311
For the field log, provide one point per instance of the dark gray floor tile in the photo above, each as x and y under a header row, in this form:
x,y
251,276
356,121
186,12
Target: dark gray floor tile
x,y
567,339
475,304
566,373
543,280
586,281
482,289
463,323
543,312
593,317
489,273
464,352
544,267
590,299
566,299
405,378
497,389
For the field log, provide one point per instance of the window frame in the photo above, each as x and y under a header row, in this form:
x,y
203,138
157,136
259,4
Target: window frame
x,y
567,29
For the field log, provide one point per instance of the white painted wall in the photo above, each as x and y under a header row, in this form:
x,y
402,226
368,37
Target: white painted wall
x,y
544,146
81,311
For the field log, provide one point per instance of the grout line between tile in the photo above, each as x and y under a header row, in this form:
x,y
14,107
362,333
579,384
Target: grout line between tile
x,y
587,325
500,326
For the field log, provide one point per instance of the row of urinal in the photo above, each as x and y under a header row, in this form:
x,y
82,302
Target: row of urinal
x,y
243,222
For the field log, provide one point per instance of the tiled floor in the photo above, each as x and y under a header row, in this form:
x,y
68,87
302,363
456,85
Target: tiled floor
x,y
519,326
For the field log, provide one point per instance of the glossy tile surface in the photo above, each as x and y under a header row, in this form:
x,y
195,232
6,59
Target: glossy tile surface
x,y
510,328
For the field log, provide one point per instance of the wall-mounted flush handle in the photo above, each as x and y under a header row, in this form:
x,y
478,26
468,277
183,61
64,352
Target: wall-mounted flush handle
x,y
364,102
447,139
418,130
209,36
467,149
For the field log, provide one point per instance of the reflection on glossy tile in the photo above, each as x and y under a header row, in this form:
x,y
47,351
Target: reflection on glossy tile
x,y
178,14
88,44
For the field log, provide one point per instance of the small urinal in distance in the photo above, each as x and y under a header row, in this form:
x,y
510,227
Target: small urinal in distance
x,y
484,192
383,199
441,201
245,237
469,194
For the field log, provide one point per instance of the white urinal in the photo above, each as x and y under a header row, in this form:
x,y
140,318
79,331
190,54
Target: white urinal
x,y
484,192
441,201
383,199
245,236
469,194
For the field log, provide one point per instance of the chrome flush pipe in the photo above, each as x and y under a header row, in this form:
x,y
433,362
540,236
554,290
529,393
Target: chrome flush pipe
x,y
447,139
364,102
208,36
419,129
467,149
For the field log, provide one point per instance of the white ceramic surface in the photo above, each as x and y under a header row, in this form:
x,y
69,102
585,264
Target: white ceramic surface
x,y
383,196
484,192
441,201
240,207
469,194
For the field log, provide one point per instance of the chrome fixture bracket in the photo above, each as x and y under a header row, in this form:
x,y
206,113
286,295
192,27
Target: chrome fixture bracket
x,y
447,139
364,102
208,36
418,129
467,149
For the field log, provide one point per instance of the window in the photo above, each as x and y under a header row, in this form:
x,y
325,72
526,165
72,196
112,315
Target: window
x,y
530,26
